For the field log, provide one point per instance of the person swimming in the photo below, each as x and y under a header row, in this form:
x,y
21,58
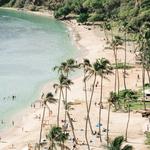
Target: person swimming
x,y
13,97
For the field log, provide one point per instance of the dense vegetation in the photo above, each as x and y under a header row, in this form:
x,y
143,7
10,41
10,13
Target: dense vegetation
x,y
33,5
134,12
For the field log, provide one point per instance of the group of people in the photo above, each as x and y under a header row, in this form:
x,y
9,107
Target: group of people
x,y
12,122
13,97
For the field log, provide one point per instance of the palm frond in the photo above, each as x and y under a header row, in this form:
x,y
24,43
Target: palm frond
x,y
127,147
117,142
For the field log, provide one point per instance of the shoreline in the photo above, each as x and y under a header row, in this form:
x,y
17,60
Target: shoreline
x,y
92,46
44,88
43,13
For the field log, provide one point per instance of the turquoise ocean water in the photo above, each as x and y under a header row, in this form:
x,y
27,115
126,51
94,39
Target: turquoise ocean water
x,y
29,48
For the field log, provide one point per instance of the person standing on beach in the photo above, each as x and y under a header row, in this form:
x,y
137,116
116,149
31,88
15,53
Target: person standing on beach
x,y
42,96
2,122
13,97
13,123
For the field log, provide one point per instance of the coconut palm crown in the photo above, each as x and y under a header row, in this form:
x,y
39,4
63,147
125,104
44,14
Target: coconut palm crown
x,y
116,144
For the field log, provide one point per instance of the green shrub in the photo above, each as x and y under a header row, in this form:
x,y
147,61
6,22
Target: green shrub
x,y
11,3
3,2
62,12
122,65
147,138
32,8
96,17
83,17
147,85
128,93
19,3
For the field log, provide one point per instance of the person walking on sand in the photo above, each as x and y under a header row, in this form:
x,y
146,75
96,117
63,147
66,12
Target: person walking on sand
x,y
42,95
12,146
2,122
13,123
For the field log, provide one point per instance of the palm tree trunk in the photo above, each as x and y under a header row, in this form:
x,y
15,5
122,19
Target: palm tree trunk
x,y
58,114
48,108
116,75
118,81
86,124
126,134
108,120
62,92
143,84
66,100
43,116
52,144
100,108
125,62
148,75
115,85
72,127
89,108
66,103
61,146
112,35
118,78
105,32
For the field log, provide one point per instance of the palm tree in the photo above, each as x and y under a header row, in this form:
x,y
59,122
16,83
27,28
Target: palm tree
x,y
56,135
48,99
67,83
70,67
70,121
116,144
147,49
91,72
86,63
143,49
103,68
106,27
112,101
64,83
129,110
147,66
129,97
108,119
115,45
65,68
124,29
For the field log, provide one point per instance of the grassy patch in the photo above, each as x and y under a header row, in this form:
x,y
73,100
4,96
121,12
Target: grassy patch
x,y
147,142
122,66
147,85
134,98
136,105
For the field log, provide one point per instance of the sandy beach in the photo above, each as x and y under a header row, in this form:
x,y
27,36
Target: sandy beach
x,y
91,42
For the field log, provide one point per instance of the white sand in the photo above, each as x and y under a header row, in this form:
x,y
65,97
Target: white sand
x,y
92,42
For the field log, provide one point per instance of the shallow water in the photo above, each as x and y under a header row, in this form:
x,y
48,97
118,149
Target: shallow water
x,y
29,47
